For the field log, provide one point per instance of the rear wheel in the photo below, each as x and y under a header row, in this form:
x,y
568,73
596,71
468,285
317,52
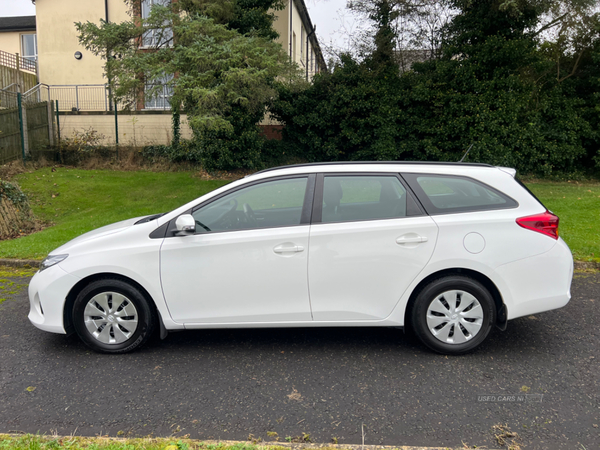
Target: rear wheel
x,y
453,315
112,316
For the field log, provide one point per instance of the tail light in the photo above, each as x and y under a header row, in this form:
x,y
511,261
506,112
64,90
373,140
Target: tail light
x,y
545,223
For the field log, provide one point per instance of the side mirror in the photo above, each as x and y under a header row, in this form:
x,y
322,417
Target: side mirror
x,y
185,225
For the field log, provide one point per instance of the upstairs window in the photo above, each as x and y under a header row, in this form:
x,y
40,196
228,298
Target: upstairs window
x,y
159,37
29,47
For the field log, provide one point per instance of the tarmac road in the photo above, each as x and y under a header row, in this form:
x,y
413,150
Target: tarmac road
x,y
539,379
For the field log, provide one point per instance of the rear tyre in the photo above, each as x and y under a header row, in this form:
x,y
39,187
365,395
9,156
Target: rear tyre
x,y
113,316
453,315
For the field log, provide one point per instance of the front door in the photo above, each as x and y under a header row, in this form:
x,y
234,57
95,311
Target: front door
x,y
247,262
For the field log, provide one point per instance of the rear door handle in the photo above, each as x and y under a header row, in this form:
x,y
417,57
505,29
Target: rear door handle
x,y
288,249
411,240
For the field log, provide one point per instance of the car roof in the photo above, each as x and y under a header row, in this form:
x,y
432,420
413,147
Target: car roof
x,y
375,163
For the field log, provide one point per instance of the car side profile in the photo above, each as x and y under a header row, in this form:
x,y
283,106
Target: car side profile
x,y
449,250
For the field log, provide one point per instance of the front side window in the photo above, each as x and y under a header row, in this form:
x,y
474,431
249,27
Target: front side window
x,y
447,194
351,198
161,36
276,203
29,46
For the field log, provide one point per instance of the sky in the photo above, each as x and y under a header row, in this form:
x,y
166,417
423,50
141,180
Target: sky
x,y
331,18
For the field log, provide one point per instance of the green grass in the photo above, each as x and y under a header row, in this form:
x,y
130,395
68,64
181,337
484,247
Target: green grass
x,y
76,201
37,442
578,206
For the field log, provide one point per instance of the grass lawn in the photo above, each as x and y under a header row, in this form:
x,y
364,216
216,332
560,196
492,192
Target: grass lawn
x,y
76,201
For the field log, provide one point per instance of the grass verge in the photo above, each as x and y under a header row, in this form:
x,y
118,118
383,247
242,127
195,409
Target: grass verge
x,y
37,442
76,201
578,206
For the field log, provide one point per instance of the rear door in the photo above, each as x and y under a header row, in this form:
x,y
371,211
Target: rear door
x,y
369,239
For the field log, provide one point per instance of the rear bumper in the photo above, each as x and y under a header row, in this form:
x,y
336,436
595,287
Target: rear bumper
x,y
47,294
540,283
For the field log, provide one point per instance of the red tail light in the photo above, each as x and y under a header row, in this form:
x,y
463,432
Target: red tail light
x,y
545,223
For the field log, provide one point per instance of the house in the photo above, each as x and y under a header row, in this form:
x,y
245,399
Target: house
x,y
76,76
17,35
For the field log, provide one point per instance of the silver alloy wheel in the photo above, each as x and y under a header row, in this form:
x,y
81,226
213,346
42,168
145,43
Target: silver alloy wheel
x,y
110,317
454,317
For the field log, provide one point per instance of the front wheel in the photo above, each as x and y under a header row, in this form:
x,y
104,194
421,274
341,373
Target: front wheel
x,y
112,316
453,315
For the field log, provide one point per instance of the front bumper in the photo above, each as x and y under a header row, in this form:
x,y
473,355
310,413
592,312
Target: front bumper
x,y
48,292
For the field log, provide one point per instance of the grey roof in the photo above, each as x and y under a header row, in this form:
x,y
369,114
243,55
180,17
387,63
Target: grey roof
x,y
18,23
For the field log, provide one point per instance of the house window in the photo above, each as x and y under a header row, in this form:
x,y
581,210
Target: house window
x,y
29,47
158,37
158,94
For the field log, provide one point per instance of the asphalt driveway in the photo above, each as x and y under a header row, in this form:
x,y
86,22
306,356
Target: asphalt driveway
x,y
540,379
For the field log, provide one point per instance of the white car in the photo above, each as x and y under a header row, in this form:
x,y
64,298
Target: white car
x,y
448,249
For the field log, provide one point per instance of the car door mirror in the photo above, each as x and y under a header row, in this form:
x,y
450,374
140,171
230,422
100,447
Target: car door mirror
x,y
185,225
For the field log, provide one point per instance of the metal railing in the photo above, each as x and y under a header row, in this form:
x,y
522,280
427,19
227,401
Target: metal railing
x,y
14,61
96,97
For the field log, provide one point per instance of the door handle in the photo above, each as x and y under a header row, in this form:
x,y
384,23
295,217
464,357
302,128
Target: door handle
x,y
411,240
288,249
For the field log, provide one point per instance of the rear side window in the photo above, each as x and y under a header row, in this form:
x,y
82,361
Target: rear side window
x,y
363,197
441,194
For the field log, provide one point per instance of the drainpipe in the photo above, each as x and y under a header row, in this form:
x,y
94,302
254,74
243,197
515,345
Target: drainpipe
x,y
291,27
108,56
307,52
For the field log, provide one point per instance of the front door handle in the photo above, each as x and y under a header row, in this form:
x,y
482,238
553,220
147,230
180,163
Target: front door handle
x,y
288,249
411,240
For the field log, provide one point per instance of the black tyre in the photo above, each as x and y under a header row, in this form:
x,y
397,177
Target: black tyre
x,y
112,316
453,315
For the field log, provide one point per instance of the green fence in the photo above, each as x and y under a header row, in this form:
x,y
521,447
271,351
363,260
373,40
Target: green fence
x,y
25,127
10,135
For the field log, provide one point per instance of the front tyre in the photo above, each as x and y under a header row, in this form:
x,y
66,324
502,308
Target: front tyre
x,y
112,316
453,315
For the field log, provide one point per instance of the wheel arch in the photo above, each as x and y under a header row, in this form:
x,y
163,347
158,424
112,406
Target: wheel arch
x,y
76,289
478,276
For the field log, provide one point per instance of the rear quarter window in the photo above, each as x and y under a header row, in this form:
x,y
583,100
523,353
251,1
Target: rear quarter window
x,y
443,194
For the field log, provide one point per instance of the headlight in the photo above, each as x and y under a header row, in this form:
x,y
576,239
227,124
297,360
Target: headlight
x,y
52,260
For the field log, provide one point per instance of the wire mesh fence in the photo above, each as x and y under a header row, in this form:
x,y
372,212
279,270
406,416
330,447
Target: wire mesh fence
x,y
97,97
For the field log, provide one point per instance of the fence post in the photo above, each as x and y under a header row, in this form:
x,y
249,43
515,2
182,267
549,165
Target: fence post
x,y
77,97
57,122
50,121
116,129
22,127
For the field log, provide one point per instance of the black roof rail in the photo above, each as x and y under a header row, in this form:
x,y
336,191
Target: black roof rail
x,y
335,163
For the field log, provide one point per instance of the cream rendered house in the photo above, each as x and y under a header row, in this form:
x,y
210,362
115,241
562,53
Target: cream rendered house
x,y
17,35
76,76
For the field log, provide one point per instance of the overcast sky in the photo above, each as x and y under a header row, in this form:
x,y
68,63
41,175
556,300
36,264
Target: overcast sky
x,y
330,16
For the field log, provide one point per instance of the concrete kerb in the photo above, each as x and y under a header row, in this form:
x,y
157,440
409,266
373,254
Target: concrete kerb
x,y
34,264
20,263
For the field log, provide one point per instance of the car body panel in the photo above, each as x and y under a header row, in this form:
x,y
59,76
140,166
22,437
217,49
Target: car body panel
x,y
247,279
358,271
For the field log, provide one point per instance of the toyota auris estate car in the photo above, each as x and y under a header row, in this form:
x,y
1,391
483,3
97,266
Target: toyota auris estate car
x,y
450,250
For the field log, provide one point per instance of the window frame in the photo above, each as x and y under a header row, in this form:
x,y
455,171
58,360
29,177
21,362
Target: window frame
x,y
33,58
317,212
153,44
305,217
432,210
